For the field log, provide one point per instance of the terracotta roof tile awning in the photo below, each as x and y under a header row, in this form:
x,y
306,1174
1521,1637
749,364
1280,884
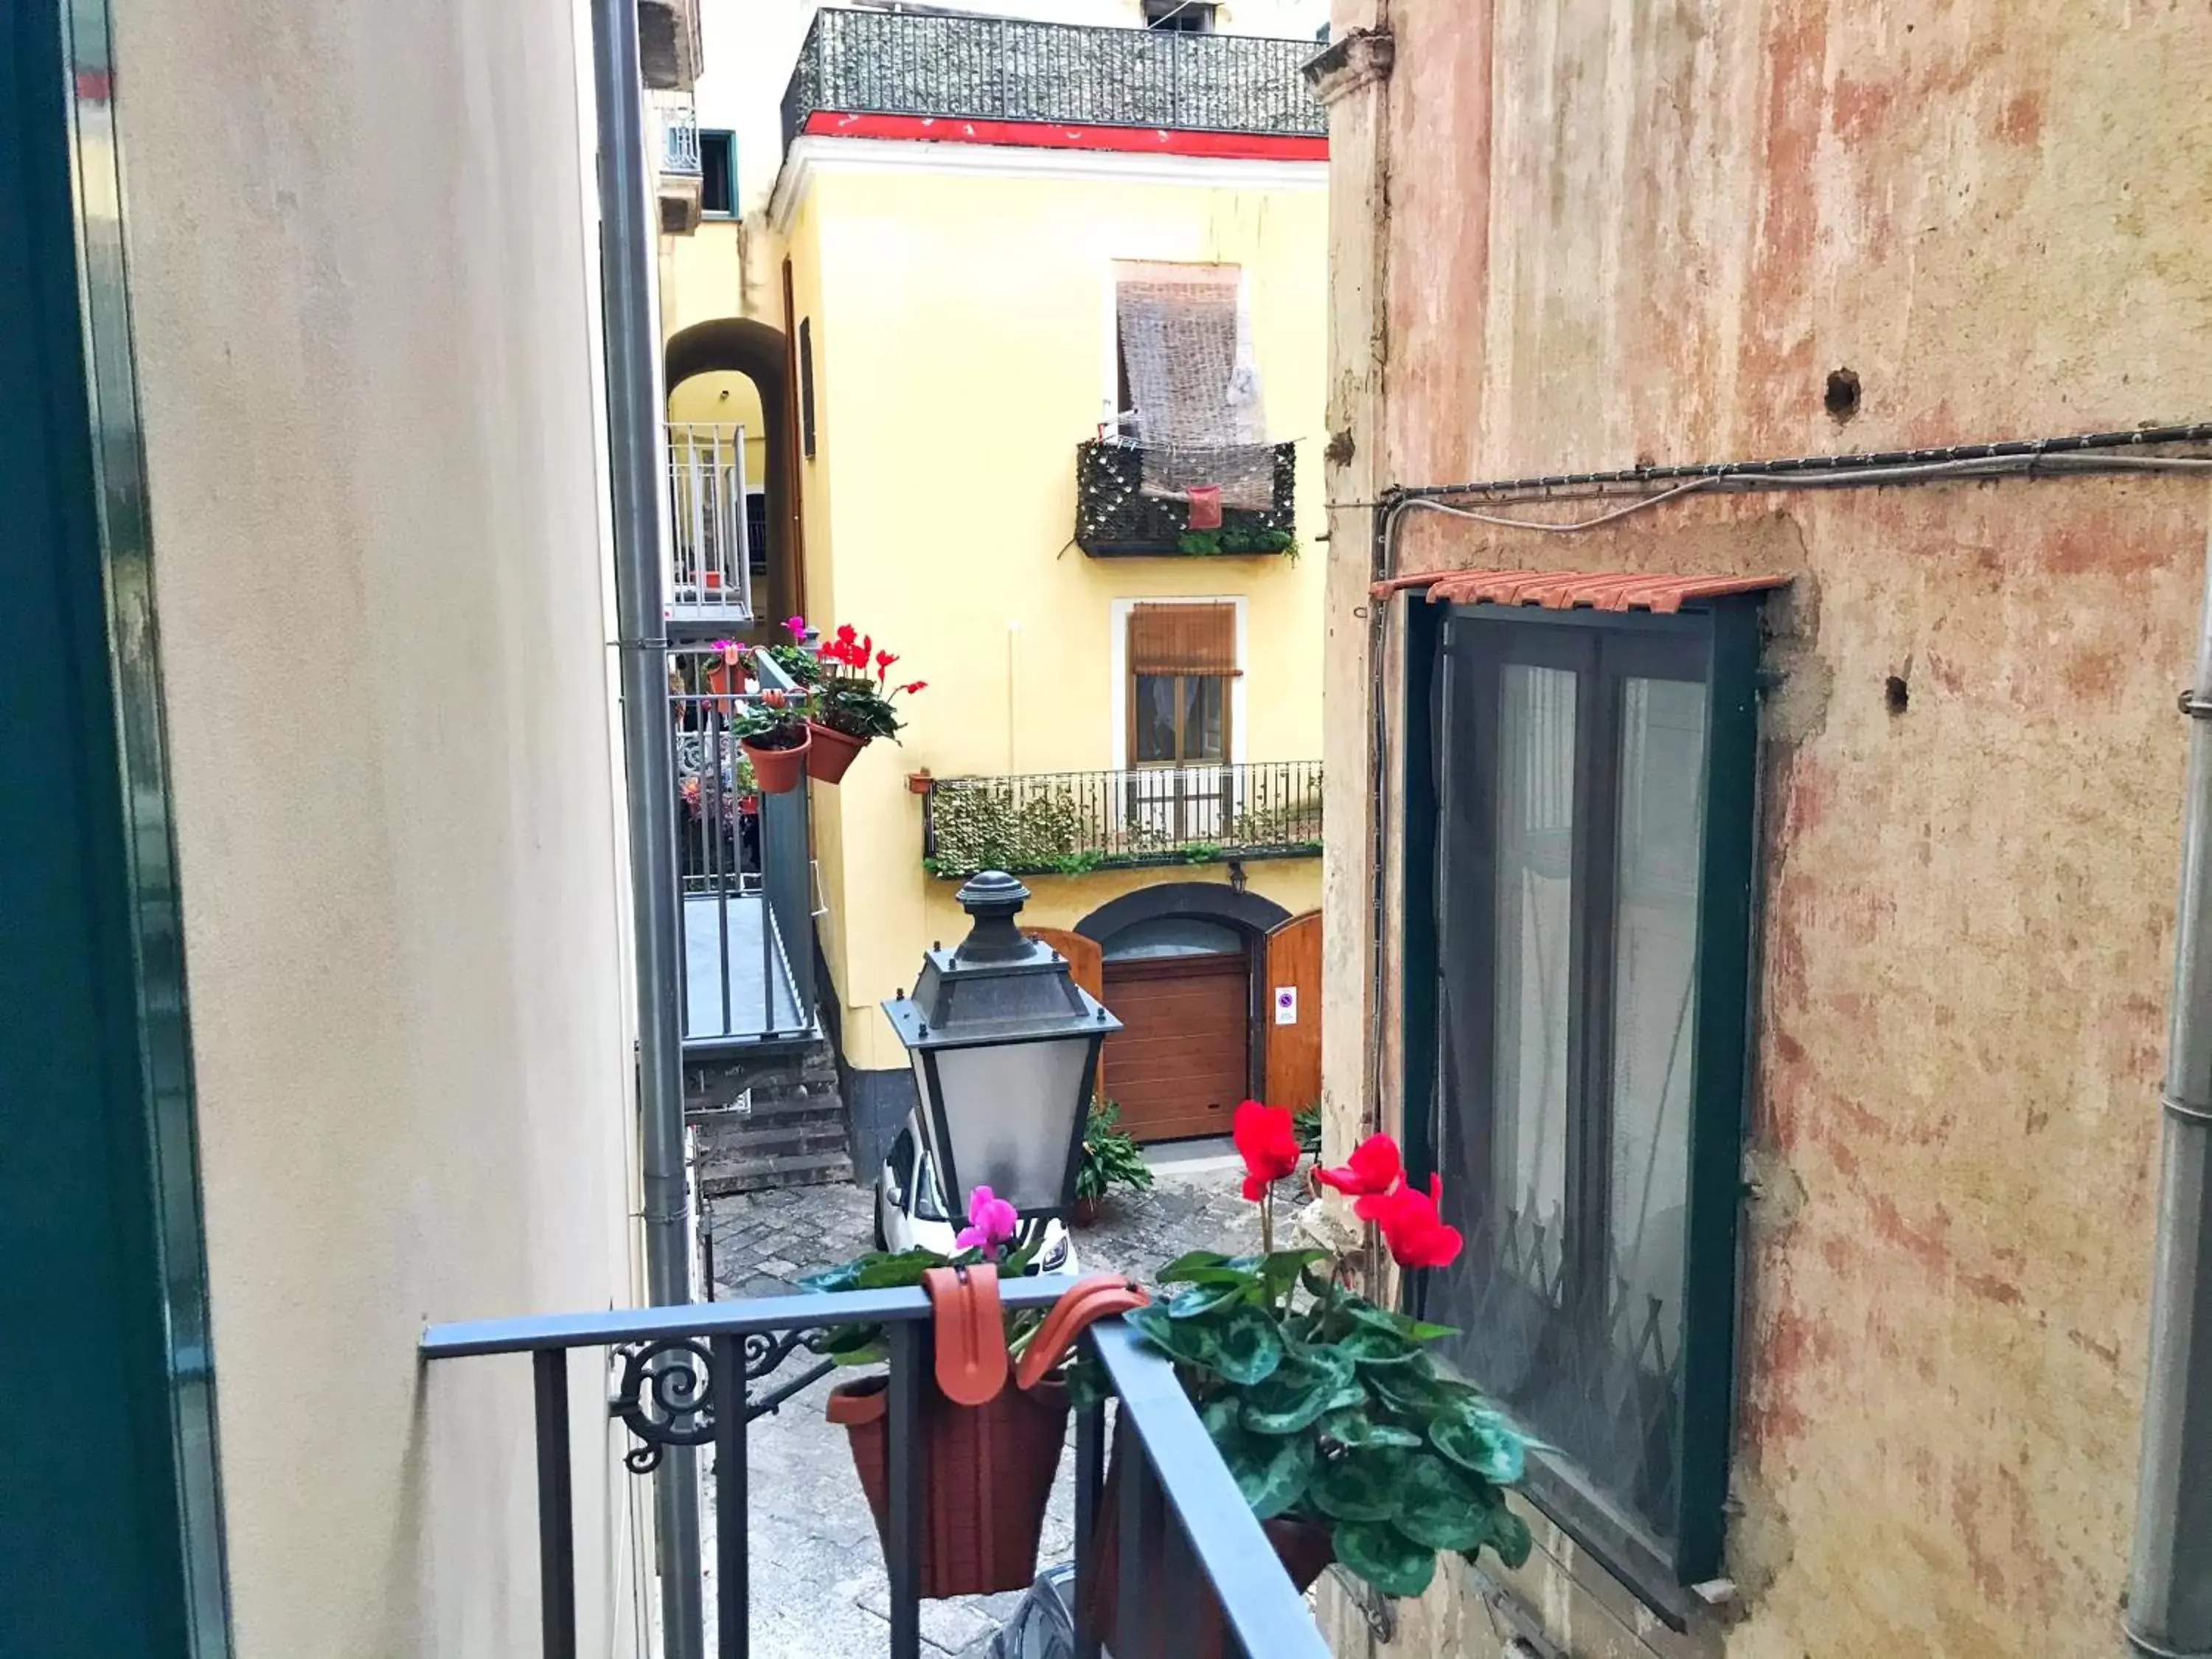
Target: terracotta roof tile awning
x,y
1565,590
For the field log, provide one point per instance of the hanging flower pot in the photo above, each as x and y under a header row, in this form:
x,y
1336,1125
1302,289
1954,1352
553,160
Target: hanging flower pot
x,y
779,771
991,1430
833,753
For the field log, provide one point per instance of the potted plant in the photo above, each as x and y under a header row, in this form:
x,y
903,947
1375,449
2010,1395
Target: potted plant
x,y
773,736
1349,1438
726,673
854,701
1111,1158
994,1426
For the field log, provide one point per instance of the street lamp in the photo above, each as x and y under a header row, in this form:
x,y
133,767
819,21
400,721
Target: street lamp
x,y
1005,1046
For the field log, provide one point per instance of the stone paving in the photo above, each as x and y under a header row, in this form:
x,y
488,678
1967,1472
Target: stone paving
x,y
818,1587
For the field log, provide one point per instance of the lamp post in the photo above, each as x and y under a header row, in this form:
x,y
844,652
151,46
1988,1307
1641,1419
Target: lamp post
x,y
1005,1046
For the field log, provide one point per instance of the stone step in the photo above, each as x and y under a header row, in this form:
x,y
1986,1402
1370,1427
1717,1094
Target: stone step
x,y
746,1145
792,1170
764,1106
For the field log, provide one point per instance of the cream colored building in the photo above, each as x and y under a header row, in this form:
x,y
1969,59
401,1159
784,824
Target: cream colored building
x,y
349,470
936,308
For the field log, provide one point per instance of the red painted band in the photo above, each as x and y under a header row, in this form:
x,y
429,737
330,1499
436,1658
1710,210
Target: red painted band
x,y
1052,135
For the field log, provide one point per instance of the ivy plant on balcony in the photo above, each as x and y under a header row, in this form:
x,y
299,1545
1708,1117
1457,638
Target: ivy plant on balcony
x,y
1332,1412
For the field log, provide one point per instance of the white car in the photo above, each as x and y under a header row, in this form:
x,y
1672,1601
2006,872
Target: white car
x,y
911,1212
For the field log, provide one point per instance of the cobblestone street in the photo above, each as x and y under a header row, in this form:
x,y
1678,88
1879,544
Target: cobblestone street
x,y
819,1591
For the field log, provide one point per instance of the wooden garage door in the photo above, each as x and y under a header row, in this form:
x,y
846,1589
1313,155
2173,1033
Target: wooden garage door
x,y
1182,1061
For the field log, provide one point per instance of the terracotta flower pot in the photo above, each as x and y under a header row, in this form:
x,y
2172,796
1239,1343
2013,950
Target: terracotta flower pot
x,y
777,771
1086,1211
832,753
1198,1631
988,1477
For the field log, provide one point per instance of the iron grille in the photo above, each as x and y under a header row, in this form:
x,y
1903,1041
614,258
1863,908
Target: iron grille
x,y
1000,69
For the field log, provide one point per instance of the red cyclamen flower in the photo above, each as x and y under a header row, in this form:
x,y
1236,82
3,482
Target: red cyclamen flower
x,y
1417,1236
1373,1168
915,686
1268,1143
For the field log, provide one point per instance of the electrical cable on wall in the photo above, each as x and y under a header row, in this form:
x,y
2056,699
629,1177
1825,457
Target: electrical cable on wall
x,y
2080,454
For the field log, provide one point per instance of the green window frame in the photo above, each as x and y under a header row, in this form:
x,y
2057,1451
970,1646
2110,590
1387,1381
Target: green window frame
x,y
1579,843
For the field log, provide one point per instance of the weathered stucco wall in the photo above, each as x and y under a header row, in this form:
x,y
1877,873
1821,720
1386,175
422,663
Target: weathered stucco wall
x,y
363,274
1619,232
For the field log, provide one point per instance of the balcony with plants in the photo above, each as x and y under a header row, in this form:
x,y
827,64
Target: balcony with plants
x,y
1069,824
1138,500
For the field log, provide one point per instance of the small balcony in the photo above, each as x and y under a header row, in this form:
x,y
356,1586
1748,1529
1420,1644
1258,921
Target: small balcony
x,y
743,869
995,68
680,175
1069,824
1187,1548
1136,502
717,530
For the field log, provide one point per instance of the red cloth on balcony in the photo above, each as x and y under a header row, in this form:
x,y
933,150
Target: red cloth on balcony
x,y
1206,506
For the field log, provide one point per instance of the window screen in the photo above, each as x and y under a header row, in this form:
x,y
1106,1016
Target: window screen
x,y
1576,1075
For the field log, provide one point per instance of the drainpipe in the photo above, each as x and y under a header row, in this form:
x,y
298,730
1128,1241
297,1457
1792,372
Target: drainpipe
x,y
2169,1606
632,437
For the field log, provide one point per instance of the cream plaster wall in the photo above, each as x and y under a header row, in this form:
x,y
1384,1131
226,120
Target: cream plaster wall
x,y
364,278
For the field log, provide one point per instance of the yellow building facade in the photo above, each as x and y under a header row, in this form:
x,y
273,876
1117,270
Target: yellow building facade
x,y
948,312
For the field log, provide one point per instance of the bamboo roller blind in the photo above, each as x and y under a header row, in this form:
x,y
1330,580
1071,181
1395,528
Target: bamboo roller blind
x,y
1182,639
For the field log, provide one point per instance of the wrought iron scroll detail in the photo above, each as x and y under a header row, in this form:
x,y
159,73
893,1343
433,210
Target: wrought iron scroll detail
x,y
665,1393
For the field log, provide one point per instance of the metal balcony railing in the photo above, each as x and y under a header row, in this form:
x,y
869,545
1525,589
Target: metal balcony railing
x,y
744,870
1184,1527
712,557
1000,69
679,138
1069,823
1131,500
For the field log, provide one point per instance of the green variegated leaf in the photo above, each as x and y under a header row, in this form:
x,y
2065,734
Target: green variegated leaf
x,y
1439,1507
1370,1346
1391,1563
1281,1270
1510,1537
1350,1426
1410,1389
1204,1298
1191,1340
1360,1486
1481,1442
890,1272
1271,1472
1179,1271
1220,1415
1248,1348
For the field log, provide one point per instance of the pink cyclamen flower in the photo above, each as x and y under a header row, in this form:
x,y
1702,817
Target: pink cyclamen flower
x,y
992,1222
797,625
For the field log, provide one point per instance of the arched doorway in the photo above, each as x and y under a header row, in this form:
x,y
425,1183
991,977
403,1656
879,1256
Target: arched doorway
x,y
1181,965
718,352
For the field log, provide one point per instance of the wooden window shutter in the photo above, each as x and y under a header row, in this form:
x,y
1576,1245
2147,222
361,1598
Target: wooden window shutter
x,y
1184,639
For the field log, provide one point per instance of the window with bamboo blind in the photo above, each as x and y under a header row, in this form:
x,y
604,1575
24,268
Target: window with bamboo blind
x,y
1182,659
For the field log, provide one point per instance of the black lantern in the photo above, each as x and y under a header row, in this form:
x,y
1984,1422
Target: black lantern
x,y
1005,1046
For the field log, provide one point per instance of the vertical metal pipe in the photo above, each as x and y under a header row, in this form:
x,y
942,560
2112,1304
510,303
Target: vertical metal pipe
x,y
2169,1606
1090,1492
634,418
733,1503
910,1475
556,1514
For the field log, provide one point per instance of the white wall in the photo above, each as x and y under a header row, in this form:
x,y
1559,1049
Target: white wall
x,y
751,45
363,278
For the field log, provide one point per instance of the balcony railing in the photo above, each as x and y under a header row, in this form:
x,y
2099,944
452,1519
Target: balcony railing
x,y
1070,823
1184,1526
679,138
710,577
1000,69
744,871
1132,502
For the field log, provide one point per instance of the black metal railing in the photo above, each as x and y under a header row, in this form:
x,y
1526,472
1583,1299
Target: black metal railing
x,y
1069,823
1130,499
1000,69
744,869
681,1363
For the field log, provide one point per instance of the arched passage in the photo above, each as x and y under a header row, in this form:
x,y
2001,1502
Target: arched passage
x,y
745,346
1182,966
